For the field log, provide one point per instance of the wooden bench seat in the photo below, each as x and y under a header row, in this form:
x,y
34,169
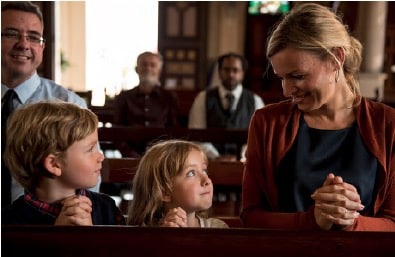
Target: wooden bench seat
x,y
98,241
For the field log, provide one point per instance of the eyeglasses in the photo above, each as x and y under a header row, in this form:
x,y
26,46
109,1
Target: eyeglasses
x,y
16,36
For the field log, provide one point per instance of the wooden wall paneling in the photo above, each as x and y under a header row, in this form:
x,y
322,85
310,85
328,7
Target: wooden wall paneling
x,y
182,42
259,77
389,93
47,67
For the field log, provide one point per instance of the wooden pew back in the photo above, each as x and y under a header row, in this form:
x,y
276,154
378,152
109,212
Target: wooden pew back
x,y
225,176
98,241
107,136
122,170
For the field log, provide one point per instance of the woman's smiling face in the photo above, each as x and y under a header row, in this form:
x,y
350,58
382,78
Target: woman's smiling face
x,y
306,78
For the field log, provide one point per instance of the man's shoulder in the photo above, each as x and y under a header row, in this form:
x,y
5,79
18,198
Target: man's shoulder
x,y
52,89
211,91
250,92
128,92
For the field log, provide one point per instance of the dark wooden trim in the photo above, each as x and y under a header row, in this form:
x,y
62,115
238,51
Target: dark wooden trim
x,y
47,67
216,135
122,170
225,176
180,242
119,170
107,136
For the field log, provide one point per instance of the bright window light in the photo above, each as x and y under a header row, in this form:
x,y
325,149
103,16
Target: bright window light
x,y
116,32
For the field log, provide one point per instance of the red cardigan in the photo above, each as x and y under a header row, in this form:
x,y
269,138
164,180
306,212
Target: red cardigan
x,y
272,132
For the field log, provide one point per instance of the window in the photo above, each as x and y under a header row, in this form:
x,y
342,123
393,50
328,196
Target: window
x,y
268,7
100,41
116,34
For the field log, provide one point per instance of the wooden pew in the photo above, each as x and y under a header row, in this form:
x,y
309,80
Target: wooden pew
x,y
185,99
107,136
216,135
98,241
122,170
105,114
118,170
226,178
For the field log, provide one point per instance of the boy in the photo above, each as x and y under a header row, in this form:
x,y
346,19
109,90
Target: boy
x,y
53,153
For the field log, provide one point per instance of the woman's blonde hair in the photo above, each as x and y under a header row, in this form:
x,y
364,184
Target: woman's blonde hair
x,y
154,177
315,28
36,130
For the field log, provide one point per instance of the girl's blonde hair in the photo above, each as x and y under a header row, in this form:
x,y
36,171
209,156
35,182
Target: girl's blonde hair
x,y
315,28
154,176
36,130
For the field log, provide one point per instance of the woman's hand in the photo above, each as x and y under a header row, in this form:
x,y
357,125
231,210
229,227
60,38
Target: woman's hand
x,y
76,210
175,217
336,202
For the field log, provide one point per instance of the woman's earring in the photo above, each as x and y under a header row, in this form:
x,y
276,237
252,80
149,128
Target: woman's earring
x,y
337,76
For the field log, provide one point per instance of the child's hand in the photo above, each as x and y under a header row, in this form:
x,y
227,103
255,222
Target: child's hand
x,y
175,217
76,210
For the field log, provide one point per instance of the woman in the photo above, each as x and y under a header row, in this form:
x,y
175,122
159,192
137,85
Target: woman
x,y
325,158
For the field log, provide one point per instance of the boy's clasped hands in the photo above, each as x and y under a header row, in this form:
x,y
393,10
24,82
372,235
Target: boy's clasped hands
x,y
76,211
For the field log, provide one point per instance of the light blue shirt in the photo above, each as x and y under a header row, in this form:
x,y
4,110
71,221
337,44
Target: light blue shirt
x,y
36,89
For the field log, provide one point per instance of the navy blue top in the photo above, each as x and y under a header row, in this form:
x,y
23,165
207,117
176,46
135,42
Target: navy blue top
x,y
29,210
317,152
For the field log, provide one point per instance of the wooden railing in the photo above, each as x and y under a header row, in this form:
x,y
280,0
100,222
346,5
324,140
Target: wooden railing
x,y
225,176
107,136
221,173
98,241
215,135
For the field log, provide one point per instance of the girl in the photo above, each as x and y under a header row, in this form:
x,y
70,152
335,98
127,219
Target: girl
x,y
171,187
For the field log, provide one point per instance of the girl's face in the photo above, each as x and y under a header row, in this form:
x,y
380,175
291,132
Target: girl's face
x,y
306,79
82,163
192,188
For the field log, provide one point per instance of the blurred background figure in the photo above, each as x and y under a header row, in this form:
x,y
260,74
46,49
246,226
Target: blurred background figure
x,y
227,105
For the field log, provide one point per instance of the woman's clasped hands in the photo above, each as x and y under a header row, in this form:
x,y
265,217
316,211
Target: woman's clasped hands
x,y
336,203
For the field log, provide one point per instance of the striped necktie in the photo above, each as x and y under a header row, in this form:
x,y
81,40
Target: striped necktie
x,y
231,100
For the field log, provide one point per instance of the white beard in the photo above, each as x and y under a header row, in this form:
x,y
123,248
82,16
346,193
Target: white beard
x,y
149,79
